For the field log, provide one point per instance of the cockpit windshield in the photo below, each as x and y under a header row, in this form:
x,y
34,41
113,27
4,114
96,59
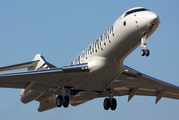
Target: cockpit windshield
x,y
135,10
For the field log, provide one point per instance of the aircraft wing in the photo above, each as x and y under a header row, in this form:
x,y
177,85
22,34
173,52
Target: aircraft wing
x,y
132,82
44,79
47,81
50,82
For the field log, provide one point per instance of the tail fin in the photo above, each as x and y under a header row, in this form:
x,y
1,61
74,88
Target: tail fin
x,y
42,64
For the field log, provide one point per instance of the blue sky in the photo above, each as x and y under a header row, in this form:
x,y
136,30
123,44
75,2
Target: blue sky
x,y
60,30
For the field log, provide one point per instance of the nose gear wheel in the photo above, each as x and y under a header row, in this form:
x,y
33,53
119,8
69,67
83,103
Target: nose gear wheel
x,y
145,52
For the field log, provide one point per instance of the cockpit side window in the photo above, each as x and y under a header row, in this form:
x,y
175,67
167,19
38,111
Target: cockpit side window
x,y
135,10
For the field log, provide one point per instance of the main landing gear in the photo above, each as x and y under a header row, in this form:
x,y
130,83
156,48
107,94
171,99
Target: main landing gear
x,y
62,99
110,102
144,42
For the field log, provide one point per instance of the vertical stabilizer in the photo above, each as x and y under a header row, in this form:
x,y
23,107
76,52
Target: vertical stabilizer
x,y
42,64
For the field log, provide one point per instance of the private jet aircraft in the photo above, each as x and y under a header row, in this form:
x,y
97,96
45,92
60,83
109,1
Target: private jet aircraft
x,y
98,71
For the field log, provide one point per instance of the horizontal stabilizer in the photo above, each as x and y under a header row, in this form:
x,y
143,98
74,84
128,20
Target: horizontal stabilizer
x,y
38,63
19,66
51,65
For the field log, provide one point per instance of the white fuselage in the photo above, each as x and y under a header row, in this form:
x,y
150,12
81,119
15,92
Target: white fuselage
x,y
105,55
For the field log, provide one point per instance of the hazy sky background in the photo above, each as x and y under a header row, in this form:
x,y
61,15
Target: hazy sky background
x,y
60,30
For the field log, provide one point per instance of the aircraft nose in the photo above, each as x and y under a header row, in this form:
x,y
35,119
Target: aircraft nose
x,y
153,18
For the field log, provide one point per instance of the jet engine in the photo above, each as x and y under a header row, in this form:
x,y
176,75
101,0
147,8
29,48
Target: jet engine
x,y
29,96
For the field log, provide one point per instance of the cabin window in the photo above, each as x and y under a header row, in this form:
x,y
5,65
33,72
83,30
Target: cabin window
x,y
124,23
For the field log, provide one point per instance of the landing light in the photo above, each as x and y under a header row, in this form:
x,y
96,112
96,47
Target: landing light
x,y
84,68
126,70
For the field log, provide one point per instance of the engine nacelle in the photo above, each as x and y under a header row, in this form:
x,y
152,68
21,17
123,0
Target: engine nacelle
x,y
48,104
29,96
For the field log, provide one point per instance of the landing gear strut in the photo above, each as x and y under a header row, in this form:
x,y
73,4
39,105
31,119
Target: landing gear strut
x,y
144,42
110,103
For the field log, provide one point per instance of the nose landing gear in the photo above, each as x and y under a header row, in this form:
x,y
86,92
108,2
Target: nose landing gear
x,y
144,42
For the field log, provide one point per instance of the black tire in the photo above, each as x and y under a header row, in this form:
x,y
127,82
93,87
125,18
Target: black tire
x,y
106,103
66,102
114,104
147,52
59,101
142,52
